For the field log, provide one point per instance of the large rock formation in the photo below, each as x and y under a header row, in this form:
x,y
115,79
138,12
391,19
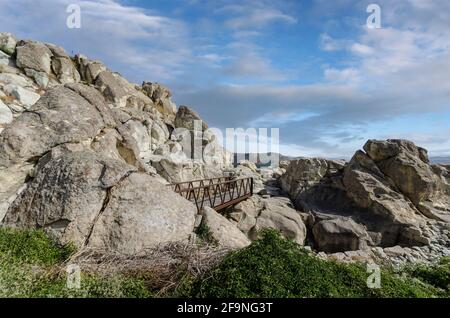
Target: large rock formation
x,y
387,194
223,231
340,234
277,213
81,151
409,168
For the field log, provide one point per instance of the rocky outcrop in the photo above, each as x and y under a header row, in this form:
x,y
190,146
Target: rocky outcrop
x,y
192,152
7,43
34,58
381,193
78,149
66,195
408,167
142,213
277,213
186,118
95,201
161,97
61,116
222,231
340,235
89,70
63,66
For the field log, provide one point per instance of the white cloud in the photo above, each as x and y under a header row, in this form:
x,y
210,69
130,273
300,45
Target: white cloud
x,y
253,14
111,31
361,49
258,18
381,75
252,65
327,43
348,75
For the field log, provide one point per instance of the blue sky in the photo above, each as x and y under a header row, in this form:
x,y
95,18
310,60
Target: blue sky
x,y
311,68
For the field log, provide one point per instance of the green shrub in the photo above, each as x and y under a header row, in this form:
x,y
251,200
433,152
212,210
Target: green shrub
x,y
437,275
204,234
32,247
275,267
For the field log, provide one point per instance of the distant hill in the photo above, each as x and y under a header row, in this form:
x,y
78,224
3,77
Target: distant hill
x,y
240,156
440,160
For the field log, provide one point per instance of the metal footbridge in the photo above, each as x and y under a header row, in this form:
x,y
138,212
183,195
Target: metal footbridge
x,y
216,193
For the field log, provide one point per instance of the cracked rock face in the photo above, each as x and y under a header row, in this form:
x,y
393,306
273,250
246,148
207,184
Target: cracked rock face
x,y
7,43
35,59
141,213
223,231
60,116
66,195
387,195
277,213
95,201
79,152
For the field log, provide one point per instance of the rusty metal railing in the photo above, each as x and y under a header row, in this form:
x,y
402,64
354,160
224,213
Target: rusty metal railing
x,y
217,193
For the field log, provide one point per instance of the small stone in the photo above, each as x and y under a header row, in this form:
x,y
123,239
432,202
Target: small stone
x,y
322,255
5,114
14,79
25,97
41,78
396,251
198,220
4,58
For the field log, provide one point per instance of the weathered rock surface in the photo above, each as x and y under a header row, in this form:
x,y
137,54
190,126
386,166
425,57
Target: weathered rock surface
x,y
408,167
142,213
187,117
7,43
5,59
161,97
5,115
99,202
113,87
89,70
277,214
23,96
255,214
65,70
79,160
223,231
340,235
66,195
35,59
60,116
390,191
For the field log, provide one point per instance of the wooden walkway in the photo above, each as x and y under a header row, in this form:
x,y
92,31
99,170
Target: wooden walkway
x,y
217,193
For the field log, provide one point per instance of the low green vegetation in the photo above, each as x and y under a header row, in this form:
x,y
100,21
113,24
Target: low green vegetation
x,y
437,275
31,247
204,234
275,267
32,265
